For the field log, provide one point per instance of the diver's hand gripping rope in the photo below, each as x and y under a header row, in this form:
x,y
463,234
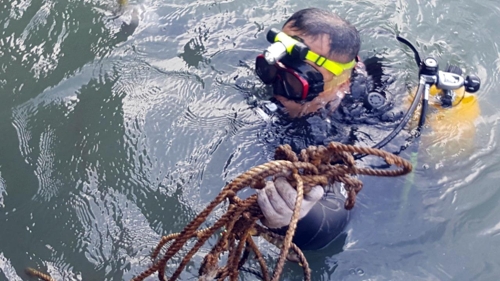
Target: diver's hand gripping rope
x,y
311,168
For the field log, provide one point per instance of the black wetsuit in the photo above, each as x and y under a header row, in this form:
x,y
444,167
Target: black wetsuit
x,y
328,218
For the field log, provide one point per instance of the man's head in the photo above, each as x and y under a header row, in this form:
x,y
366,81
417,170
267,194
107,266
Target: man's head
x,y
330,36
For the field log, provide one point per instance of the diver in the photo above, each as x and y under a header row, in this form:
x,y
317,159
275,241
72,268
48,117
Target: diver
x,y
320,89
309,83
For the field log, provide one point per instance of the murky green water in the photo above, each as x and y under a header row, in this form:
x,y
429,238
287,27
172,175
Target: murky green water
x,y
114,134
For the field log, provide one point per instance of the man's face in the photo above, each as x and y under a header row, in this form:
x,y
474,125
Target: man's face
x,y
335,86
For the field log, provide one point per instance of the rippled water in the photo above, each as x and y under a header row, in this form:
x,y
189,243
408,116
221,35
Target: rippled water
x,y
113,134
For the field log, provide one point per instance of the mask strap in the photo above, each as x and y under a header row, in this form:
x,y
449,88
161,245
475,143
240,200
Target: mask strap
x,y
334,67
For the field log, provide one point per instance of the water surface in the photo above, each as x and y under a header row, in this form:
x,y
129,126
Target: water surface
x,y
114,134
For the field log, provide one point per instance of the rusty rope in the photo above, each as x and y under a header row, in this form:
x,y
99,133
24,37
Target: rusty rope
x,y
321,165
35,273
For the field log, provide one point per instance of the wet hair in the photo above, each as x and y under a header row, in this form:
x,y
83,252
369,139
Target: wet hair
x,y
314,22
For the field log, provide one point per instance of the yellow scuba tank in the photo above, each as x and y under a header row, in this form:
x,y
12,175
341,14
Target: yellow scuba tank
x,y
452,128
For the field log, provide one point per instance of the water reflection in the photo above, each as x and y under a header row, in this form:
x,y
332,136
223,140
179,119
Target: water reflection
x,y
3,191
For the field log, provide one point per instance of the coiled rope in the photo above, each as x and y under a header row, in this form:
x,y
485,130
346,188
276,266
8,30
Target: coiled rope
x,y
316,165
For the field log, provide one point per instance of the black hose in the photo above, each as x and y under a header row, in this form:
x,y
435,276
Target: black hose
x,y
410,45
411,110
425,105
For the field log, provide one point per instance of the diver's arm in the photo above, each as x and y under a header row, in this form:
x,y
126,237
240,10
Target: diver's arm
x,y
324,222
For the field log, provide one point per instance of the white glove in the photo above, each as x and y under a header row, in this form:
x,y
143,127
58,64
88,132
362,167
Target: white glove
x,y
277,201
